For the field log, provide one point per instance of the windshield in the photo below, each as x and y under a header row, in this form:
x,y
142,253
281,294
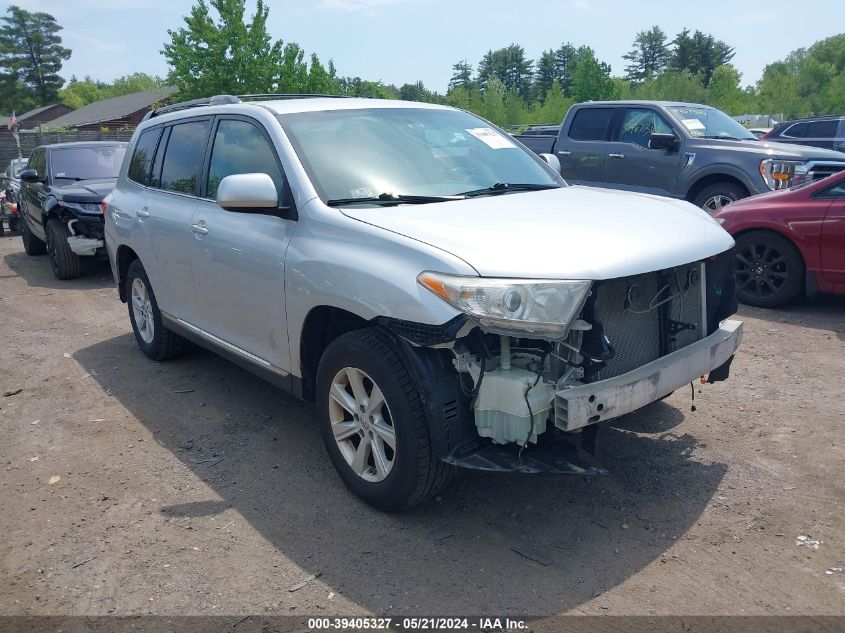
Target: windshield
x,y
17,167
706,122
407,151
87,162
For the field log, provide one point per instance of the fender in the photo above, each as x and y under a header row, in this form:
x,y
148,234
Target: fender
x,y
688,180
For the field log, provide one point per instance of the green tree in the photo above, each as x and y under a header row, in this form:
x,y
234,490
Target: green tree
x,y
493,102
510,66
566,57
699,53
546,74
80,93
461,74
31,56
725,92
553,109
591,79
226,55
649,55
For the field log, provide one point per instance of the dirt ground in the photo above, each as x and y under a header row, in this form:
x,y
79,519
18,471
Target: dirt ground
x,y
191,487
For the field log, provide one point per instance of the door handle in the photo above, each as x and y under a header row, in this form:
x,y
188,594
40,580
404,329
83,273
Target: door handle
x,y
616,155
142,213
564,152
199,228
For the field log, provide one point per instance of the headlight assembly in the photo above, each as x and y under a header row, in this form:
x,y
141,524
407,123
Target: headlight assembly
x,y
781,174
515,307
87,208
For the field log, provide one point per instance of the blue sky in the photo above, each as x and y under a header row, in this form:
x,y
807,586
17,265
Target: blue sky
x,y
401,41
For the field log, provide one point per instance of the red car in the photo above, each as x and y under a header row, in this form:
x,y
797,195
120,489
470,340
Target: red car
x,y
789,243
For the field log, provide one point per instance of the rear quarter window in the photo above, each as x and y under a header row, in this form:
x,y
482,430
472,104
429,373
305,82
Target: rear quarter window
x,y
142,157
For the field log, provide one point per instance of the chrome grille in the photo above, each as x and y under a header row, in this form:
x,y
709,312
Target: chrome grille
x,y
629,310
823,170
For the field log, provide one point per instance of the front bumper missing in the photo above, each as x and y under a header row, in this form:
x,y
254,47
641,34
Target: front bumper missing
x,y
585,404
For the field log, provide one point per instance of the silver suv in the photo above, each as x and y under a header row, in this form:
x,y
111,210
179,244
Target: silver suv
x,y
434,287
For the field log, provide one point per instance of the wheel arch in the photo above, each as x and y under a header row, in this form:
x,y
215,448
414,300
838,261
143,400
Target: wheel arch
x,y
711,179
322,325
774,231
124,256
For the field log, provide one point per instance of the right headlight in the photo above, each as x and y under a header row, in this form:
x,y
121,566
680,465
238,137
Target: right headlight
x,y
781,174
515,307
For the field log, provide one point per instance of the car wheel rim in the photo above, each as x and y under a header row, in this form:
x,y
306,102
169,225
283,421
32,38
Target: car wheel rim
x,y
716,202
142,310
362,425
761,270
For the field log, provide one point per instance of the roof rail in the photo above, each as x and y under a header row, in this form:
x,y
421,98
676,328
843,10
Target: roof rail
x,y
195,103
280,96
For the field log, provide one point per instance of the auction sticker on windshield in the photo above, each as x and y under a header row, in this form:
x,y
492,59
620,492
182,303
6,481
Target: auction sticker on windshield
x,y
489,137
693,124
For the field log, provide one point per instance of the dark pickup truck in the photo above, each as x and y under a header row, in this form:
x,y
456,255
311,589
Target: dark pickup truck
x,y
682,150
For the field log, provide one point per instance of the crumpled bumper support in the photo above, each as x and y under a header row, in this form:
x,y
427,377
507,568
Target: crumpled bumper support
x,y
585,404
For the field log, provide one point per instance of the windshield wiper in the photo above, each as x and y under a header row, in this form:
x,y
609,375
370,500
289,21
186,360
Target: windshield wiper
x,y
392,198
505,187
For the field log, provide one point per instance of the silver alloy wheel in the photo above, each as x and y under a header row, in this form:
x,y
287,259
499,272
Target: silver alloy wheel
x,y
142,310
362,424
715,202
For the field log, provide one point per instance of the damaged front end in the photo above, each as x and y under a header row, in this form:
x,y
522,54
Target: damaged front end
x,y
512,397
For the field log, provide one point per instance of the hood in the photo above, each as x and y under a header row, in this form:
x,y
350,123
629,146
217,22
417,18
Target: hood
x,y
568,233
91,191
784,151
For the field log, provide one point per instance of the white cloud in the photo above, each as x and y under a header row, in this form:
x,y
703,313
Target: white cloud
x,y
358,6
580,5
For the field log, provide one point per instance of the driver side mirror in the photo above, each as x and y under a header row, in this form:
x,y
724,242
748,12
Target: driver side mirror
x,y
29,175
251,193
663,141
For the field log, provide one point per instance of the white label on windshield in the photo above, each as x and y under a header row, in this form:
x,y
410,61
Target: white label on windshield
x,y
693,124
490,137
362,192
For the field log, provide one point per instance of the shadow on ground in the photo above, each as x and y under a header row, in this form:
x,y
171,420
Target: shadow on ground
x,y
261,452
35,270
823,312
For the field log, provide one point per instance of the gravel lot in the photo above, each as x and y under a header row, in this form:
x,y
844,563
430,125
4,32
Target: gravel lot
x,y
191,487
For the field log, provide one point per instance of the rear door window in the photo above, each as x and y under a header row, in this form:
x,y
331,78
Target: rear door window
x,y
142,157
181,169
822,129
590,124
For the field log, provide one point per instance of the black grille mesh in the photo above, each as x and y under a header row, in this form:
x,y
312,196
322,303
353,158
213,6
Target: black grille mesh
x,y
631,321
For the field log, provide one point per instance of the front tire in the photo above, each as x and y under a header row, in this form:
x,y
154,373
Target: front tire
x,y
152,337
31,244
769,270
718,195
374,425
64,262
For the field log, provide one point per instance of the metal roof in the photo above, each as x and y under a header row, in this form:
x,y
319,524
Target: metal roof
x,y
112,109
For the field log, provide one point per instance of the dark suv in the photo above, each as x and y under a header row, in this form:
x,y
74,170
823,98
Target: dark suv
x,y
827,132
61,198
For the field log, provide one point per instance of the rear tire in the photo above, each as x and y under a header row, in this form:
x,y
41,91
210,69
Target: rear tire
x,y
31,244
713,197
152,337
64,262
769,270
354,367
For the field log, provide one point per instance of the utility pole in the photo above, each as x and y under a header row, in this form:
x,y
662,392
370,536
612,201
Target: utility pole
x,y
17,136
